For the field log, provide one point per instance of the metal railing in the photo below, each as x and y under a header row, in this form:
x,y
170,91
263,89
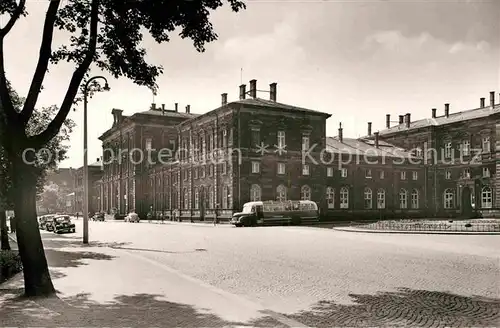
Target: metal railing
x,y
434,225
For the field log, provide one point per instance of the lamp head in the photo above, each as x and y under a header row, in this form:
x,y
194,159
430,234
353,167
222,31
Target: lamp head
x,y
106,87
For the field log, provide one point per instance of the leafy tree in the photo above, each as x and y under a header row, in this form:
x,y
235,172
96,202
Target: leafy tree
x,y
56,150
107,33
52,198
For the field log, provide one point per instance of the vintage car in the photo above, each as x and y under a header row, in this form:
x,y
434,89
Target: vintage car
x,y
62,224
132,217
98,217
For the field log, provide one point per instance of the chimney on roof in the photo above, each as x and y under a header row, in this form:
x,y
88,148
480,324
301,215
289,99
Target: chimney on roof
x,y
341,137
243,91
492,99
188,109
401,119
376,139
369,128
434,112
408,120
273,88
98,159
117,116
481,102
153,106
447,110
253,88
176,107
224,99
388,121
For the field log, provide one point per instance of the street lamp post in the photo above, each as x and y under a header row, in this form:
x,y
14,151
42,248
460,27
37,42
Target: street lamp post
x,y
85,159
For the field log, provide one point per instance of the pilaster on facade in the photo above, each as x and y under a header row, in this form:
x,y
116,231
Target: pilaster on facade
x,y
497,167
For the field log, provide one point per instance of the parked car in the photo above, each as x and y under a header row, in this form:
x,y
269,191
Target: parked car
x,y
62,224
98,217
132,217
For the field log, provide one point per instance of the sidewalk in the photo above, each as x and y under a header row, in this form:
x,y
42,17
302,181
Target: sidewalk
x,y
109,286
413,232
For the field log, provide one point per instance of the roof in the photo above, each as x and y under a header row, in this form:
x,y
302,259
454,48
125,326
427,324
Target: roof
x,y
167,113
353,146
277,105
443,120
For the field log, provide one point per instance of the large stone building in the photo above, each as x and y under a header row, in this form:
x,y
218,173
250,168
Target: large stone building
x,y
460,151
95,172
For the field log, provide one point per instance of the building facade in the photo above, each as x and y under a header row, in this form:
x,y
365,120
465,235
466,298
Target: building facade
x,y
95,172
460,152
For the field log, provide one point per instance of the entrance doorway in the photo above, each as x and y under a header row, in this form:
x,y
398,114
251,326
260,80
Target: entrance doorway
x,y
467,202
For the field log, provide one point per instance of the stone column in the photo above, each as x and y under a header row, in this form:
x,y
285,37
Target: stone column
x,y
497,168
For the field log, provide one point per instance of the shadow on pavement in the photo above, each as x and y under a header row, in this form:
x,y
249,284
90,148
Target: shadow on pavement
x,y
140,310
407,307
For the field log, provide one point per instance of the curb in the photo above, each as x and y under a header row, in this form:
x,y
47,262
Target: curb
x,y
472,233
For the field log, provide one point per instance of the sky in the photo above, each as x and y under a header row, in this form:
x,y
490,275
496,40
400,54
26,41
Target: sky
x,y
357,60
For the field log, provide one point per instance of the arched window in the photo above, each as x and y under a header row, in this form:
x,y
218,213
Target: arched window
x,y
330,197
486,198
368,198
305,193
381,199
281,193
414,199
344,197
403,199
186,199
211,197
255,193
449,199
196,198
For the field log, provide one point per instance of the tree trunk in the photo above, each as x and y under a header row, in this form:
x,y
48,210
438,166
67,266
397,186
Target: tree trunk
x,y
37,281
4,237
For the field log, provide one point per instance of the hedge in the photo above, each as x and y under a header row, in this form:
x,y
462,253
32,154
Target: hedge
x,y
10,264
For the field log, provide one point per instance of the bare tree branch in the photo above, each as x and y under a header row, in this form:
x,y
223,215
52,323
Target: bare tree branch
x,y
78,75
17,13
43,62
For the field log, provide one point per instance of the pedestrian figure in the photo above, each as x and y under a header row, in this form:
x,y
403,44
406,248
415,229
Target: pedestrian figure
x,y
13,224
162,217
150,217
77,215
216,215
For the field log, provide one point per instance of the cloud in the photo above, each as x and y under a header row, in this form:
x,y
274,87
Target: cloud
x,y
264,47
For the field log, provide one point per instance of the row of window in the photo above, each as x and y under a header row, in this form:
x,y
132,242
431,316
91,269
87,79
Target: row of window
x,y
280,139
467,175
200,172
465,147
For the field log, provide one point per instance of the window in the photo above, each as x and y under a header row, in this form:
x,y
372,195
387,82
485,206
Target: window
x,y
224,167
466,173
225,195
224,138
414,199
486,172
186,199
305,143
447,150
255,137
465,148
209,142
330,197
344,197
403,175
381,199
448,175
305,193
210,170
368,198
202,171
210,197
368,173
486,144
281,168
195,172
343,172
281,193
486,198
382,174
281,139
196,198
329,171
415,175
149,143
305,169
255,193
449,198
418,152
185,173
255,167
403,199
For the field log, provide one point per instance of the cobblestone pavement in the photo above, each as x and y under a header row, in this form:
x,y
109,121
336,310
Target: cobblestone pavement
x,y
321,277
